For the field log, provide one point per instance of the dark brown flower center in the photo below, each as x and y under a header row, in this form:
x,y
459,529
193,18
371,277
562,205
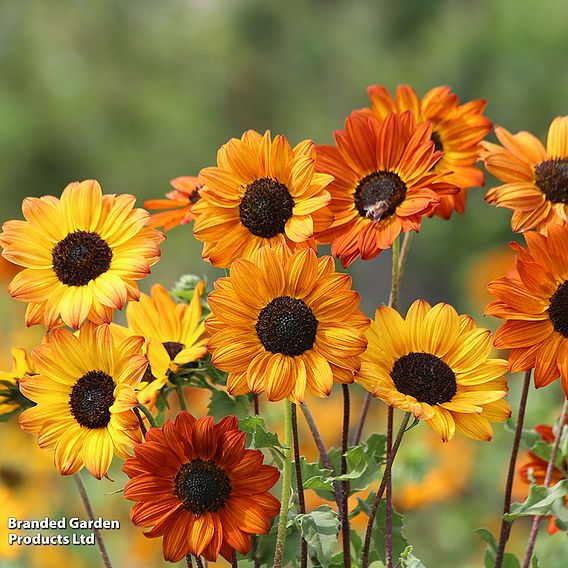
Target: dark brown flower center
x,y
194,196
551,177
425,377
91,398
435,137
286,325
202,486
80,257
379,194
558,309
265,208
173,348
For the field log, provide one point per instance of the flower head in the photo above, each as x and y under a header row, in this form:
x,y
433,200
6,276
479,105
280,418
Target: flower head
x,y
436,365
82,253
263,192
178,204
84,392
10,397
536,179
533,299
384,183
173,333
196,485
282,323
457,131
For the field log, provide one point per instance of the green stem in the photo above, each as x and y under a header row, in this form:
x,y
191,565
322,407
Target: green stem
x,y
148,415
182,402
286,479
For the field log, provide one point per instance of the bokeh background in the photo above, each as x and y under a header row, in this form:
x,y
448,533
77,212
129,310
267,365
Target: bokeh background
x,y
136,93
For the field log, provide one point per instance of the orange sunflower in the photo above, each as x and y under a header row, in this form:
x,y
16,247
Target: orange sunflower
x,y
537,466
536,179
457,131
285,322
84,392
179,203
263,192
173,332
436,365
196,485
82,253
384,182
534,300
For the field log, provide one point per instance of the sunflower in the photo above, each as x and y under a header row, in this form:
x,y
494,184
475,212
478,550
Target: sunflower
x,y
10,397
435,364
533,299
85,395
283,322
384,183
196,485
457,131
536,179
262,193
179,203
173,333
82,254
536,468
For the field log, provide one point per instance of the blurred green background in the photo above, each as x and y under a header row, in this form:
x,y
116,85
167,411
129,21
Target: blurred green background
x,y
136,93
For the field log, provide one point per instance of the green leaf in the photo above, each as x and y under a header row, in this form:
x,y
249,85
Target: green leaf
x,y
267,545
539,502
491,552
529,437
408,560
314,477
257,434
223,404
510,561
535,563
320,528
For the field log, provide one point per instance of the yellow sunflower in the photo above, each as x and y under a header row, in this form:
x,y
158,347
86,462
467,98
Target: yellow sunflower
x,y
10,396
536,179
436,365
263,192
82,253
457,131
283,322
173,332
384,182
85,395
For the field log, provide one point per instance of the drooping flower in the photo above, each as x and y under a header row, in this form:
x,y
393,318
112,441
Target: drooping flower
x,y
82,253
534,300
196,485
11,398
84,392
263,192
535,179
384,182
282,323
457,130
173,333
178,204
436,365
536,467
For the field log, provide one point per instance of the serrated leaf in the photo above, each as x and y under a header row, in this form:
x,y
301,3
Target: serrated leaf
x,y
408,560
267,544
320,528
539,502
223,404
257,435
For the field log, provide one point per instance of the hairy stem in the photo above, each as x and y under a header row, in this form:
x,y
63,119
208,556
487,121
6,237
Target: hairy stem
x,y
506,525
547,479
141,422
381,490
87,503
388,511
345,528
148,415
286,478
182,401
300,484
